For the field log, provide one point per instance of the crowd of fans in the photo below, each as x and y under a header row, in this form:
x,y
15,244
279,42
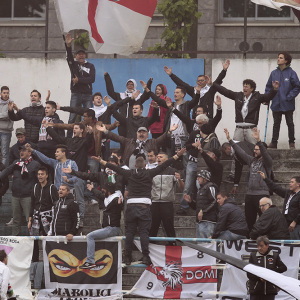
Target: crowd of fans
x,y
53,173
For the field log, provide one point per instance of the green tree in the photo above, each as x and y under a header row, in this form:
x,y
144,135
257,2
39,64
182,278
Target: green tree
x,y
179,17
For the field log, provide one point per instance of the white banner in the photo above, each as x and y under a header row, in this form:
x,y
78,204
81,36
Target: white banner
x,y
289,254
178,272
114,26
277,4
19,251
65,280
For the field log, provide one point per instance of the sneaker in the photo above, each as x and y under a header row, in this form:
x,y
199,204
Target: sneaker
x,y
81,223
272,146
292,146
181,212
127,260
146,260
93,201
229,179
11,222
87,265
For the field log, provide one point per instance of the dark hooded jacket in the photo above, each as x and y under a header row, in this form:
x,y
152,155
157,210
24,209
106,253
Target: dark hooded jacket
x,y
231,218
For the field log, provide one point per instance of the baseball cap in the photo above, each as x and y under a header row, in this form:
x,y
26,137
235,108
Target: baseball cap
x,y
20,131
142,129
114,159
80,51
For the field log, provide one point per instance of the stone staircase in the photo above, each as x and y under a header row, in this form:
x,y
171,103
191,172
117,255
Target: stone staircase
x,y
286,163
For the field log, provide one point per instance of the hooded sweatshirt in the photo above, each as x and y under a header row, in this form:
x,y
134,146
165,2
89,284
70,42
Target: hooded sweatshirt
x,y
157,127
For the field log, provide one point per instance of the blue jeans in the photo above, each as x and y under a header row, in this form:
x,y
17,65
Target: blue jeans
x,y
190,181
230,236
5,141
79,193
98,234
79,100
295,234
205,229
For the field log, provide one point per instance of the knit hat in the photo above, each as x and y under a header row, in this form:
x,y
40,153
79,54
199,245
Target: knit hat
x,y
204,174
206,129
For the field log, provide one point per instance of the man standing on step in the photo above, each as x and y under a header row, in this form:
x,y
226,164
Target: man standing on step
x,y
256,187
138,212
284,101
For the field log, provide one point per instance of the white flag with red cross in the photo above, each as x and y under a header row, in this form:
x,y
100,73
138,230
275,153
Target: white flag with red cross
x,y
114,26
178,272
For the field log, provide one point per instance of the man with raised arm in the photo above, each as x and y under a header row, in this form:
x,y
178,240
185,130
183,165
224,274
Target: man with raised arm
x,y
138,146
257,188
138,212
247,106
83,76
35,108
207,93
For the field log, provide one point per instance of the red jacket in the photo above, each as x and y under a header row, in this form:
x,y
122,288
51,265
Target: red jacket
x,y
157,127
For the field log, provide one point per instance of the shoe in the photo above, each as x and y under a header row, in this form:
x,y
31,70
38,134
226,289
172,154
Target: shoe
x,y
292,146
81,224
93,201
181,212
272,146
87,265
11,222
146,260
127,260
229,179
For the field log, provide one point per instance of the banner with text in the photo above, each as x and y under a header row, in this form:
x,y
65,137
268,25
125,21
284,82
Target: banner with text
x,y
178,272
19,252
64,279
289,254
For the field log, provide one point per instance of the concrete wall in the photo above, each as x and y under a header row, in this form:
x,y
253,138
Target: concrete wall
x,y
259,71
23,75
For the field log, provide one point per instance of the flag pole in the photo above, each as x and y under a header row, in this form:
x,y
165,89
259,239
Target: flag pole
x,y
268,109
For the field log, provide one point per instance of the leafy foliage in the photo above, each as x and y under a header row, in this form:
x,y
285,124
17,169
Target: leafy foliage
x,y
82,40
179,16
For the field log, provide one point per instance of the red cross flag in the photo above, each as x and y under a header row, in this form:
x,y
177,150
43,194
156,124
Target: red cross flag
x,y
178,272
115,26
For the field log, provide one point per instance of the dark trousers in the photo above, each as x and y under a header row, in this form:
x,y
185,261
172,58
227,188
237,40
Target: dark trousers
x,y
262,297
162,212
252,209
137,216
36,248
277,116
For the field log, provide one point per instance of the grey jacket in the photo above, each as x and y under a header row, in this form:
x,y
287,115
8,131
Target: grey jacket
x,y
164,186
6,124
256,185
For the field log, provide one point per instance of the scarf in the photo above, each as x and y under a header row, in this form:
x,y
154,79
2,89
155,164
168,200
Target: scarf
x,y
140,147
35,104
23,164
99,110
111,175
43,135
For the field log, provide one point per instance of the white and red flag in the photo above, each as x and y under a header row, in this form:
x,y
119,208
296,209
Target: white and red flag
x,y
115,26
276,4
178,272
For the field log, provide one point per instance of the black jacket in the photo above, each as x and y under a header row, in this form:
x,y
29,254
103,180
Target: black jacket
x,y
230,218
50,145
4,183
190,123
271,261
293,213
208,98
65,216
85,73
253,106
43,198
140,180
207,202
132,124
22,185
112,211
271,223
77,147
32,131
101,178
